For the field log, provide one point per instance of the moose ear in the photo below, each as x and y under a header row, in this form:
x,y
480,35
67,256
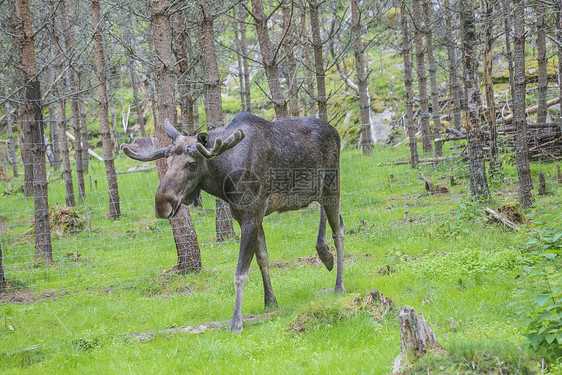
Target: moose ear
x,y
203,138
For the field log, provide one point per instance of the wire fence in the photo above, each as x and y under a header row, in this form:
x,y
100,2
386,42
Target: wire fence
x,y
381,193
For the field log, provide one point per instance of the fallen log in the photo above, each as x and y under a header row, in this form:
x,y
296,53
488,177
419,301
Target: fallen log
x,y
421,161
90,152
198,328
531,109
502,219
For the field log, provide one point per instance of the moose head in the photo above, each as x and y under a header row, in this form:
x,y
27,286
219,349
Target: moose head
x,y
186,160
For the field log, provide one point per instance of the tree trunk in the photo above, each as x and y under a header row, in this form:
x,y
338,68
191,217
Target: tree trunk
x,y
506,10
189,257
454,86
478,181
244,51
32,115
408,83
432,66
111,102
317,46
240,72
422,80
84,131
135,85
66,11
366,141
519,118
107,144
66,166
290,61
495,163
185,72
213,104
2,279
53,130
541,61
559,34
269,59
9,119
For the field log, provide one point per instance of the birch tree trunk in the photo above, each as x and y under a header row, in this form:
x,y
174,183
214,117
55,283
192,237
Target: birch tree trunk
x,y
432,66
107,144
495,163
366,142
213,104
32,119
185,237
422,79
478,181
269,59
408,83
519,118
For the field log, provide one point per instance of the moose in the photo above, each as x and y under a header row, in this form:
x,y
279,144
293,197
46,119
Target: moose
x,y
257,167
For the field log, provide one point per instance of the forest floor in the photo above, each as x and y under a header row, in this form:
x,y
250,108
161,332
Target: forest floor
x,y
106,305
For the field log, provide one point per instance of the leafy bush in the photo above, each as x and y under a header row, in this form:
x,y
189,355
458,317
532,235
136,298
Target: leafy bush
x,y
543,308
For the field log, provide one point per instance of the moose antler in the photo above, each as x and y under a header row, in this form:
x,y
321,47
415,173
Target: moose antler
x,y
144,149
219,146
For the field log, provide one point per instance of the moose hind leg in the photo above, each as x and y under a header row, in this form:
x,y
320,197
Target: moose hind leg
x,y
322,247
263,263
247,245
334,219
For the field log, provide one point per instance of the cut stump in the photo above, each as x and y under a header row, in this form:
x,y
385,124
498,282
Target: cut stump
x,y
416,338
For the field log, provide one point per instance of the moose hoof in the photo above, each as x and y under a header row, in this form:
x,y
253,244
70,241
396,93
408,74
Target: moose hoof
x,y
236,326
325,255
339,289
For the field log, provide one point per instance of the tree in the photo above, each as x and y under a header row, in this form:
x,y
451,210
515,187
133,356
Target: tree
x,y
2,278
32,123
269,59
541,62
519,117
289,44
317,47
432,66
422,78
408,83
362,75
107,144
243,48
477,165
185,237
213,103
9,118
62,121
495,163
66,11
454,86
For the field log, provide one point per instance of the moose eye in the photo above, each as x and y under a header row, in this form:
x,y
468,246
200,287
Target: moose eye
x,y
192,164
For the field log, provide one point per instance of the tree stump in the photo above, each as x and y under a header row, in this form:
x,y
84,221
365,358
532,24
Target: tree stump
x,y
542,184
416,338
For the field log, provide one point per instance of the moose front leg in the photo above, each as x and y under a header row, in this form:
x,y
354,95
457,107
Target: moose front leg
x,y
248,242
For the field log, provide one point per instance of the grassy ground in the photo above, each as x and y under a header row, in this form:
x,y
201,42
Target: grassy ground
x,y
442,258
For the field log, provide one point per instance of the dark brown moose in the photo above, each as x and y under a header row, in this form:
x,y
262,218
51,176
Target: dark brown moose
x,y
258,167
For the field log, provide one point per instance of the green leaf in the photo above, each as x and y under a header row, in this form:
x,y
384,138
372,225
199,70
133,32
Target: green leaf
x,y
550,338
534,339
542,298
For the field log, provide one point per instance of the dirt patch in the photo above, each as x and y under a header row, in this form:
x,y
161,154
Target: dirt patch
x,y
17,294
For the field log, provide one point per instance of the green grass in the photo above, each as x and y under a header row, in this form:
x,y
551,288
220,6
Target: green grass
x,y
443,259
